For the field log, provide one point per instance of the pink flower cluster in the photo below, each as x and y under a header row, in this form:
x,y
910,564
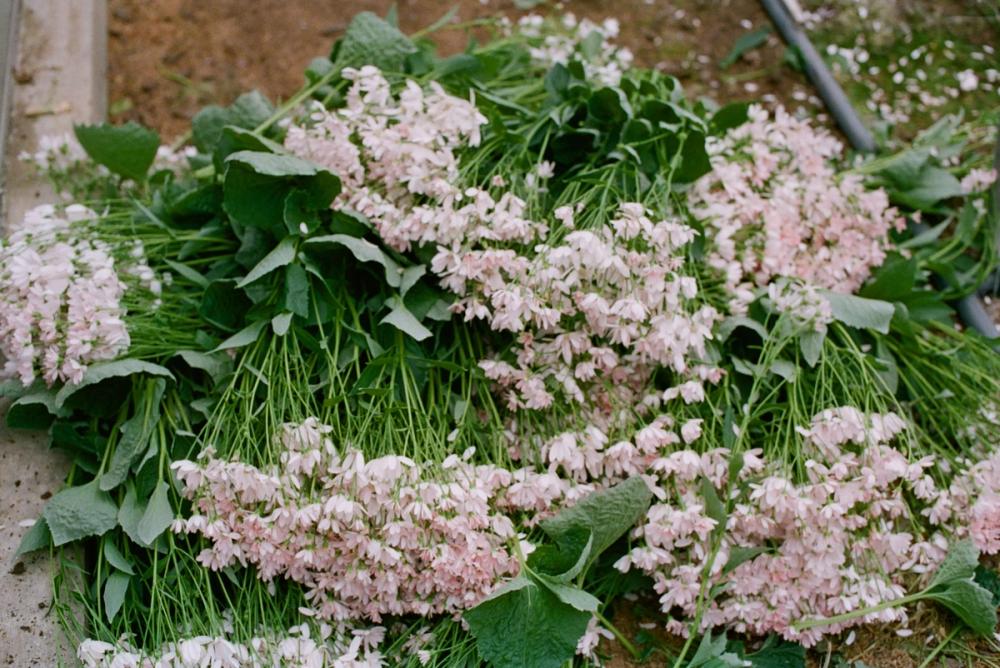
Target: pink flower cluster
x,y
971,502
339,647
366,538
60,299
599,310
592,44
843,540
775,206
397,158
802,303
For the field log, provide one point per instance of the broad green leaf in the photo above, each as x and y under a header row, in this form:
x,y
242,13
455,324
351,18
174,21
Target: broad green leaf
x,y
296,295
282,254
730,324
250,110
811,346
157,516
79,512
242,338
114,557
779,655
281,322
728,117
746,42
401,318
933,185
608,514
224,304
860,312
893,280
34,411
96,373
127,150
257,184
565,561
959,564
130,514
36,538
970,603
363,251
524,625
989,579
135,435
370,40
206,127
115,588
570,595
271,164
694,160
215,365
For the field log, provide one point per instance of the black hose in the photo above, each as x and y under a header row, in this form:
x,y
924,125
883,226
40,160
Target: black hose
x,y
827,87
970,308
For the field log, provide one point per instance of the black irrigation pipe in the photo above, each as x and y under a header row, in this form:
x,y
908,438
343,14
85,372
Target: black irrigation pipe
x,y
970,307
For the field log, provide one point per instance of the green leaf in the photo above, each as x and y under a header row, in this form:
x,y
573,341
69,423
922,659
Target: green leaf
x,y
79,512
570,595
860,312
524,625
609,105
714,507
728,117
130,514
157,516
250,110
135,436
282,254
746,42
933,185
370,40
96,373
296,296
116,558
242,338
694,162
567,560
38,537
34,411
989,579
401,318
739,555
778,655
114,593
970,603
224,305
215,365
257,184
959,564
894,279
732,323
811,345
206,127
363,251
608,514
281,322
127,150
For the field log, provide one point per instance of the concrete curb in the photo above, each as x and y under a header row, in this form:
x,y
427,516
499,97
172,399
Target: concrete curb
x,y
59,77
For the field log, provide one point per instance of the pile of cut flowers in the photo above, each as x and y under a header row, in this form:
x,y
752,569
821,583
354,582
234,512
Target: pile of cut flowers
x,y
454,360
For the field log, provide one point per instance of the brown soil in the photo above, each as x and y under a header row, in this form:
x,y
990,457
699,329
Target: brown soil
x,y
169,58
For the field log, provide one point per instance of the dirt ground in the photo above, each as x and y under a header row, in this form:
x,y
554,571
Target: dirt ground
x,y
169,58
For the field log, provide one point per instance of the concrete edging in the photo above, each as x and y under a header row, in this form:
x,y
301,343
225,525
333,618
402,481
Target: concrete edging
x,y
57,76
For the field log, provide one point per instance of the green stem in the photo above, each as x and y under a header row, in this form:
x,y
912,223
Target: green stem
x,y
619,636
836,619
